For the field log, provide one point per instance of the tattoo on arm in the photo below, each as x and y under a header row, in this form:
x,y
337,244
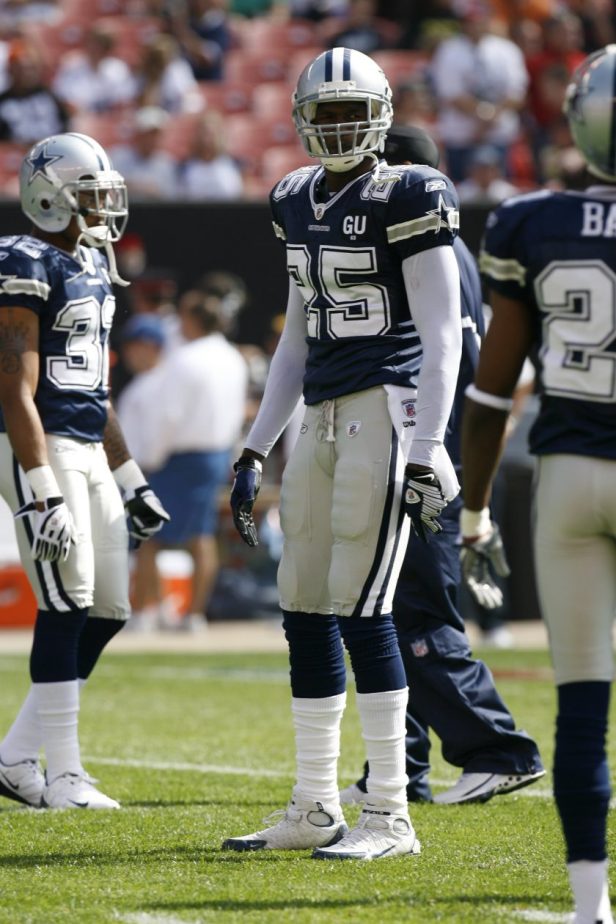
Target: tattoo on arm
x,y
13,344
114,442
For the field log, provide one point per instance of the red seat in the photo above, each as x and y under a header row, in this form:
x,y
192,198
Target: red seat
x,y
267,33
273,100
227,97
254,66
277,161
108,128
400,65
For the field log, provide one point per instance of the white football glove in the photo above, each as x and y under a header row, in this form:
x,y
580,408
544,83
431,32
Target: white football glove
x,y
52,527
482,556
424,501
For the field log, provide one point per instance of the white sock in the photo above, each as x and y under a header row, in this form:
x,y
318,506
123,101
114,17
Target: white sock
x,y
58,710
24,739
589,884
383,722
317,742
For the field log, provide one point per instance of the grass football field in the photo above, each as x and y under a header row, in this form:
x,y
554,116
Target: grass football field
x,y
198,747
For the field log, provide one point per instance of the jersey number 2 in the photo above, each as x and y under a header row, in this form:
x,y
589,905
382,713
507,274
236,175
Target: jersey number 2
x,y
578,301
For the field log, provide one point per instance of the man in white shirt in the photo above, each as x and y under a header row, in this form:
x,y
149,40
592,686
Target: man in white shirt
x,y
199,406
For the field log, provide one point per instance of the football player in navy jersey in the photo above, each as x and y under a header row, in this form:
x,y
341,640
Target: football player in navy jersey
x,y
372,338
59,442
451,691
550,262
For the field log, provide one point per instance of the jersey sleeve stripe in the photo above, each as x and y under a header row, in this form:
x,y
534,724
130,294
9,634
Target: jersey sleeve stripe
x,y
26,287
279,231
502,269
423,225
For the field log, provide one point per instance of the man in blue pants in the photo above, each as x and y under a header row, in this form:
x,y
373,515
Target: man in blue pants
x,y
450,691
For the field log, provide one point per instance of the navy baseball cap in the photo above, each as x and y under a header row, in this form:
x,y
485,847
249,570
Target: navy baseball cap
x,y
144,327
409,142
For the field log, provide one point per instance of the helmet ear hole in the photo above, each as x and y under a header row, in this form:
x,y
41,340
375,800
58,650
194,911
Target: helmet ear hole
x,y
45,204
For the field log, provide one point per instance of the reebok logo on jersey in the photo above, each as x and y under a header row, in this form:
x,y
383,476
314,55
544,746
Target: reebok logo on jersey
x,y
431,185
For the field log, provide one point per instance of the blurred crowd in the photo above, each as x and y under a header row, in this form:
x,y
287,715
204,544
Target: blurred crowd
x,y
193,97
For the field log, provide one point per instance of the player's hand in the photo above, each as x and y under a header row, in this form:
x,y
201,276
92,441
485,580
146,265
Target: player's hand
x,y
482,557
243,495
424,501
52,527
146,514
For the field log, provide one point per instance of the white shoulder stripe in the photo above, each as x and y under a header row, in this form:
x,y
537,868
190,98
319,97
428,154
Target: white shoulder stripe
x,y
502,269
26,287
279,231
423,225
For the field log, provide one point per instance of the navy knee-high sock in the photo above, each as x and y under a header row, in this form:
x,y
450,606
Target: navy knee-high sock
x,y
95,635
316,655
581,773
373,647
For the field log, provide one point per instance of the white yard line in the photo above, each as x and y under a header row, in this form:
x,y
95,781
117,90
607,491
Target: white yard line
x,y
222,769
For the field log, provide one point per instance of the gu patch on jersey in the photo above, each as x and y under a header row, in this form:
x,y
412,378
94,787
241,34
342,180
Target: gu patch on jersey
x,y
353,427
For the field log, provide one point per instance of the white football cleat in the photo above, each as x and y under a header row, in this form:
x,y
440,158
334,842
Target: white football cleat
x,y
24,782
479,787
71,790
352,795
379,833
304,823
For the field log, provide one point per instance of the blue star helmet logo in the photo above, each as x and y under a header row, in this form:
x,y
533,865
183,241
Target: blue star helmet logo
x,y
39,161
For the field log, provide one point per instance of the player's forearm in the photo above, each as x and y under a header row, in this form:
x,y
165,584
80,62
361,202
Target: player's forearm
x,y
483,440
114,443
24,429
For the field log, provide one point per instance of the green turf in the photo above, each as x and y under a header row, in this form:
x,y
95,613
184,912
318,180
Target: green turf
x,y
198,748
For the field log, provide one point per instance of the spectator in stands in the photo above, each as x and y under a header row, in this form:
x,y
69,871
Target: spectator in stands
x,y
209,172
414,103
359,29
200,401
317,10
164,78
427,23
480,81
149,171
204,36
485,183
92,78
28,109
550,70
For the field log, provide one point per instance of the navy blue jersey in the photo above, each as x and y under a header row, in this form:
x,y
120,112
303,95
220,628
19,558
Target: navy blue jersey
x,y
345,254
473,330
75,307
556,252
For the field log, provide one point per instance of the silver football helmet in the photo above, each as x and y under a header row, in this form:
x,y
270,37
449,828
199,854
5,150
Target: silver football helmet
x,y
589,107
70,175
342,74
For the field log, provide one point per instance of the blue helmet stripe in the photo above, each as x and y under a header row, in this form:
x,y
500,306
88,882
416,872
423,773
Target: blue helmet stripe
x,y
346,64
329,65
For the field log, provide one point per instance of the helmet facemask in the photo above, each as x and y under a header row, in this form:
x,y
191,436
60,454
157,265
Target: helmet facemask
x,y
340,146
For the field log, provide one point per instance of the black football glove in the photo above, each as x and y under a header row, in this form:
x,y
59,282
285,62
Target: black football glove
x,y
146,514
243,495
424,501
482,557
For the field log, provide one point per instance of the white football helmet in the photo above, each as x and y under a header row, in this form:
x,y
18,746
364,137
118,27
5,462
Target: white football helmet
x,y
590,109
342,74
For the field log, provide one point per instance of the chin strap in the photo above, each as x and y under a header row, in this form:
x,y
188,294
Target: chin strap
x,y
376,173
97,237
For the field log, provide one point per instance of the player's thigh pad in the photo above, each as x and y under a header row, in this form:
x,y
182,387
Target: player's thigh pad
x,y
61,586
305,513
369,528
110,538
576,563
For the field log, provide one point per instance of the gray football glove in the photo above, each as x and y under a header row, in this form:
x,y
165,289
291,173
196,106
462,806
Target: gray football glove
x,y
53,529
481,559
423,501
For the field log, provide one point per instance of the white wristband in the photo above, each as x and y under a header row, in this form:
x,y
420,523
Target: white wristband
x,y
43,482
475,522
129,476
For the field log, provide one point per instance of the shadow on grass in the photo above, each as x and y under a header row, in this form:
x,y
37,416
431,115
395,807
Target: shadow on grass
x,y
156,855
412,900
